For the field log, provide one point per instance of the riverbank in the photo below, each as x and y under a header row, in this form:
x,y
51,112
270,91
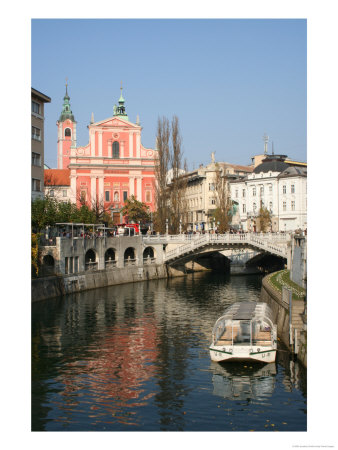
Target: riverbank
x,y
54,286
281,316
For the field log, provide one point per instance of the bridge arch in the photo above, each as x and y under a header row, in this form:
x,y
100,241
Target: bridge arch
x,y
149,255
91,262
110,257
130,256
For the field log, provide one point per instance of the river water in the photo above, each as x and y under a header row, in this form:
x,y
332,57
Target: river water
x,y
135,358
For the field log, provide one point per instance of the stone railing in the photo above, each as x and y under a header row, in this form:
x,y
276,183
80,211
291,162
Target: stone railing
x,y
266,242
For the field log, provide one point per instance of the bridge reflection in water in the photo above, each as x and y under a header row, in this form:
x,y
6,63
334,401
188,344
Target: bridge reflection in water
x,y
135,358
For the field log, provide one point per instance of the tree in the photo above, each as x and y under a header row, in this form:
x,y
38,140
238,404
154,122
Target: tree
x,y
135,211
178,182
161,172
169,192
264,218
43,213
222,213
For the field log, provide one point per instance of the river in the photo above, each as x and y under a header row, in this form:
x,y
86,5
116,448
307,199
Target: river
x,y
135,357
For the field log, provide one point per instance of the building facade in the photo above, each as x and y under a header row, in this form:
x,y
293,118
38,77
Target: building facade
x,y
277,184
37,146
200,196
113,166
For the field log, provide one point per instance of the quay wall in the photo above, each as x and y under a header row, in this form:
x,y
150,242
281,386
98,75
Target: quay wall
x,y
280,315
54,286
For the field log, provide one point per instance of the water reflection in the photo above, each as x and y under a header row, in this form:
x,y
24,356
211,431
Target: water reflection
x,y
243,382
135,357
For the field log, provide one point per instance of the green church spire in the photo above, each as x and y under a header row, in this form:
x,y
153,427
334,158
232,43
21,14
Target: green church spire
x,y
66,111
120,110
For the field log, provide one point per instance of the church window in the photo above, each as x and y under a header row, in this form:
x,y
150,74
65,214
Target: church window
x,y
68,132
116,150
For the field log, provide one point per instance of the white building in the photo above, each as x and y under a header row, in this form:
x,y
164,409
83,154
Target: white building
x,y
277,184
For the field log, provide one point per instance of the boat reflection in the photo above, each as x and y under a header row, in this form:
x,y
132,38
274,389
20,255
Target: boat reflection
x,y
241,381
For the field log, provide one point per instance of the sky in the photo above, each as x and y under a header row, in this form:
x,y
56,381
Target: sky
x,y
229,81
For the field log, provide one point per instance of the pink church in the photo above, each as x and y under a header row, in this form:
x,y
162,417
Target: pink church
x,y
114,164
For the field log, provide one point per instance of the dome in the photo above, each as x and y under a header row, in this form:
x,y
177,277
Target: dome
x,y
273,163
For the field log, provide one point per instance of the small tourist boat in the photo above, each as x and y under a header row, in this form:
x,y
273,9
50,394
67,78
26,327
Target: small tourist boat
x,y
245,333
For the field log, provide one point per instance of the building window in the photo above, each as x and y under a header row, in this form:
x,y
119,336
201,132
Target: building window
x,y
293,205
211,186
107,196
35,107
68,132
254,192
254,206
236,194
270,207
270,188
36,159
243,193
36,133
284,206
116,150
51,193
292,188
125,195
64,193
36,185
244,207
284,189
148,196
261,191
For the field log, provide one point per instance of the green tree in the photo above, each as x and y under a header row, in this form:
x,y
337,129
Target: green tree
x,y
135,211
44,211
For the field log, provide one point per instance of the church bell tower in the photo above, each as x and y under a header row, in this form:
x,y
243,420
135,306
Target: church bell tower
x,y
66,133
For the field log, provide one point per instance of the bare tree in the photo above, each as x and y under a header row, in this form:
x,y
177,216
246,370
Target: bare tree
x,y
222,199
178,183
161,171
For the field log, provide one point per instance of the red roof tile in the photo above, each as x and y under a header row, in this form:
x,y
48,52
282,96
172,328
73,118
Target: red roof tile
x,y
57,177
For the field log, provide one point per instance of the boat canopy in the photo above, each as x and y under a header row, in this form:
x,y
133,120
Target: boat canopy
x,y
248,311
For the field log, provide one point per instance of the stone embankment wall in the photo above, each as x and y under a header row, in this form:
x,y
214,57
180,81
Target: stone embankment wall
x,y
280,313
49,287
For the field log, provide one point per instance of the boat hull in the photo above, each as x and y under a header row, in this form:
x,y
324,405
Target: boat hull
x,y
264,355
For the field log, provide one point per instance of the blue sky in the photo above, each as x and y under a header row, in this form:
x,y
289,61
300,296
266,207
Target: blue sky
x,y
228,81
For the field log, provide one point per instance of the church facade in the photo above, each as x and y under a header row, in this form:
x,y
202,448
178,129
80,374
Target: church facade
x,y
113,166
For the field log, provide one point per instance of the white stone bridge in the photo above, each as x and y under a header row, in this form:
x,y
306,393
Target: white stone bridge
x,y
184,247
